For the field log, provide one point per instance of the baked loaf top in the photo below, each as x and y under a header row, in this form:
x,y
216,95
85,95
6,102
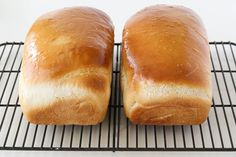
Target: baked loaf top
x,y
167,44
66,40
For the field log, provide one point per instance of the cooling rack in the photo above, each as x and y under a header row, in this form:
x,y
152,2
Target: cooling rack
x,y
116,132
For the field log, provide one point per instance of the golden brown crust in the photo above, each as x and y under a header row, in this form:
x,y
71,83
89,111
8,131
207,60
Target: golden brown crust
x,y
96,83
166,67
179,50
65,40
66,68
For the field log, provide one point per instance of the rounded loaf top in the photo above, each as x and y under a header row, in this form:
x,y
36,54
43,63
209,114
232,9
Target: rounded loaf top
x,y
67,39
167,44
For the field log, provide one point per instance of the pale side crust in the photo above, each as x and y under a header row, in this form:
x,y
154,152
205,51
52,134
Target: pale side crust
x,y
64,103
175,111
65,112
147,102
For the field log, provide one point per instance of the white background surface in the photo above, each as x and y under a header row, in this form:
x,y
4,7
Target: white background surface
x,y
116,154
16,18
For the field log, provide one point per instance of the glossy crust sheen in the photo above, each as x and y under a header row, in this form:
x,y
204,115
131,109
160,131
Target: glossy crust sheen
x,y
166,76
66,67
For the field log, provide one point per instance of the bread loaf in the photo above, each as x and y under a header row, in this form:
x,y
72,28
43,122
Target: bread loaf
x,y
66,68
165,71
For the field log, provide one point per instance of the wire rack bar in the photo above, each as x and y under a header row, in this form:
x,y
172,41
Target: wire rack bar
x,y
116,132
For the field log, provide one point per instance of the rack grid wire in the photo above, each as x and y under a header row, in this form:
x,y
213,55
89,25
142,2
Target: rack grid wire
x,y
116,132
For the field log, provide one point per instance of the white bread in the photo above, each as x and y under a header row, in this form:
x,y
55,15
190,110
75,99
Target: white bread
x,y
165,71
66,68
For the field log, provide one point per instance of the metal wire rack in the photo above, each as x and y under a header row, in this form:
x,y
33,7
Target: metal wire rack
x,y
116,133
